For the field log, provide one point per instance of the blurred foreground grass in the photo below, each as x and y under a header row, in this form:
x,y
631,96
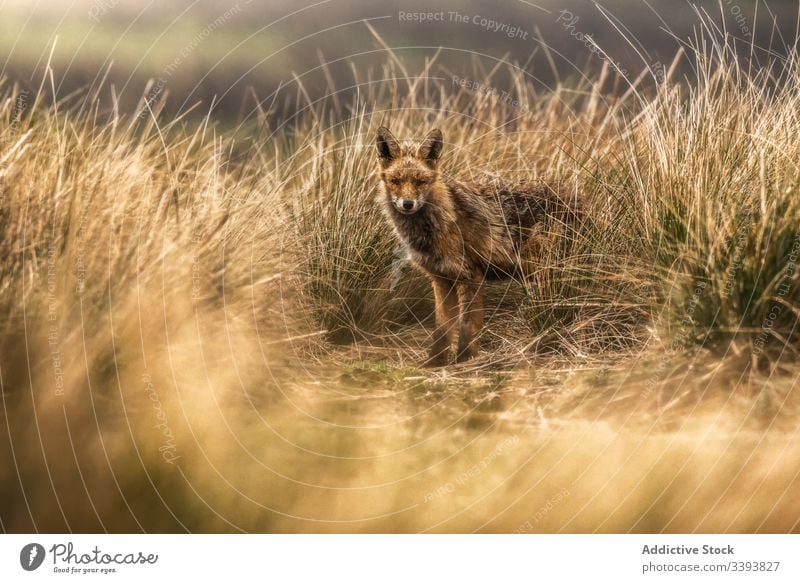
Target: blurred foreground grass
x,y
370,450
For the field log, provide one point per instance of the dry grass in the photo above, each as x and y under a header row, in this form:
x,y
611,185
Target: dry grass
x,y
210,334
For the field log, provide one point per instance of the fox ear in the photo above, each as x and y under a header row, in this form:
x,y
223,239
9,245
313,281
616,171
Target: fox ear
x,y
388,146
431,147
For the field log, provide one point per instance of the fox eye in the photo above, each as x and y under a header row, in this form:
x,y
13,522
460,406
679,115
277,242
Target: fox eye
x,y
420,182
395,181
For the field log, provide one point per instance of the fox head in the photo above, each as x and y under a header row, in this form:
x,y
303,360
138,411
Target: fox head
x,y
409,170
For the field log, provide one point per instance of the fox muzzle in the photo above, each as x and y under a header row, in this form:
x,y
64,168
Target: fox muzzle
x,y
407,206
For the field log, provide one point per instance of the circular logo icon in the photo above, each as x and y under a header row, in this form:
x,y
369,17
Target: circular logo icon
x,y
31,556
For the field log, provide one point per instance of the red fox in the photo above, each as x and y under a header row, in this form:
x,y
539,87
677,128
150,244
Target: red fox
x,y
461,235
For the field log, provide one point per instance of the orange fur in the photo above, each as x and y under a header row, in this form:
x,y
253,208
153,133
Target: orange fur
x,y
462,234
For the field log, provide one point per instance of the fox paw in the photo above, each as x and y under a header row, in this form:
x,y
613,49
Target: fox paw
x,y
466,354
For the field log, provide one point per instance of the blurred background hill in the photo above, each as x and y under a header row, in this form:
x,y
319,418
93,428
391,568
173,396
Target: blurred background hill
x,y
230,54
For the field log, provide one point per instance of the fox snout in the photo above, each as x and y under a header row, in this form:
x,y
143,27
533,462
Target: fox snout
x,y
407,206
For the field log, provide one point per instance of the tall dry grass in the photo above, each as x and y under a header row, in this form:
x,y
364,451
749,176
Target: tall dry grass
x,y
214,332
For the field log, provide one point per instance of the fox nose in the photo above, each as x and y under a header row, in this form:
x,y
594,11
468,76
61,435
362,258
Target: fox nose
x,y
408,205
